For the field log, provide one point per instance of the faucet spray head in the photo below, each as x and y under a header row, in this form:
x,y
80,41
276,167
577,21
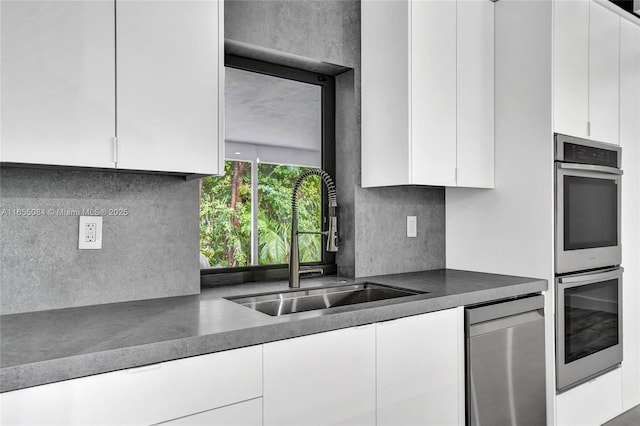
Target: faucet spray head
x,y
332,234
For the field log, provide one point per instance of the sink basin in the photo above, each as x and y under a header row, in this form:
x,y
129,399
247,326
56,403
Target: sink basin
x,y
289,302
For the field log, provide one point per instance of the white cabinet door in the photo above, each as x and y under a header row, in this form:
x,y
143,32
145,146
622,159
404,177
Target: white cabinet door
x,y
140,396
58,82
385,88
586,54
604,74
571,67
427,93
432,93
630,143
247,413
592,403
321,379
420,370
475,94
169,66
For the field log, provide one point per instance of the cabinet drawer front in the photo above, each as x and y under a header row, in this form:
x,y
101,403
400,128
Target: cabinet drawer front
x,y
247,413
141,396
592,403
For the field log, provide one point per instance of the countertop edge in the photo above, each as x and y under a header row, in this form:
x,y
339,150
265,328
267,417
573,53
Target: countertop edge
x,y
66,368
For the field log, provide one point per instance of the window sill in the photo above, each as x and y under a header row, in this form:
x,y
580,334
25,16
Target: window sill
x,y
226,276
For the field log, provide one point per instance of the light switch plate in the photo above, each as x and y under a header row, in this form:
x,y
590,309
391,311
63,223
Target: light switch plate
x,y
90,233
412,226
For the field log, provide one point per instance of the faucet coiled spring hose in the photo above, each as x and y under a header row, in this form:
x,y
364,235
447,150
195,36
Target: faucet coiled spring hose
x,y
331,190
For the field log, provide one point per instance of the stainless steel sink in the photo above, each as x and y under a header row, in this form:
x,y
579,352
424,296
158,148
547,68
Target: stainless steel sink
x,y
289,302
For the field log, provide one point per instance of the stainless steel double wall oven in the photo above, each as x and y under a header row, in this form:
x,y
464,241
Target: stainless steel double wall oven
x,y
587,259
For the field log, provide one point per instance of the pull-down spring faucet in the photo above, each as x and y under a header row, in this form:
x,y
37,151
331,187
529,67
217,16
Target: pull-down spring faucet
x,y
331,232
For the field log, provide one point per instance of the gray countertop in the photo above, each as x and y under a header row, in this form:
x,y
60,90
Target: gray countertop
x,y
49,346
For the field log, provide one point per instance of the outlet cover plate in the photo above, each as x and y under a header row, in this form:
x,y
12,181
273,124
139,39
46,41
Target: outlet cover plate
x,y
90,233
412,226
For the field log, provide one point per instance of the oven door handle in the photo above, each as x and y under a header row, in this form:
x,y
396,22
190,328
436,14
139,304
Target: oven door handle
x,y
611,273
590,168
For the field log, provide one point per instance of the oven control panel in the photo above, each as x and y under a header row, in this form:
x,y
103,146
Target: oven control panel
x,y
582,154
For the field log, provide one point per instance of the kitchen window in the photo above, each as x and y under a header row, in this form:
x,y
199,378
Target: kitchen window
x,y
279,122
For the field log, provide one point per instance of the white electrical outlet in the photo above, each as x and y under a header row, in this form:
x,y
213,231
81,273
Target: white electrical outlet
x,y
412,226
90,232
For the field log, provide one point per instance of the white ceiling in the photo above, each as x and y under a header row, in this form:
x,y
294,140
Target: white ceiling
x,y
266,110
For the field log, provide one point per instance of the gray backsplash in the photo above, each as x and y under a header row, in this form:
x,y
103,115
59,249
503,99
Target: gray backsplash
x,y
151,252
381,230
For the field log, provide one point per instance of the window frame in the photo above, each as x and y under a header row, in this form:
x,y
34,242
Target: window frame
x,y
236,275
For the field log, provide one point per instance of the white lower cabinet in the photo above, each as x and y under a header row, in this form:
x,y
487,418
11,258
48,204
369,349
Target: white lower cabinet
x,y
408,371
247,413
141,396
321,379
592,403
420,370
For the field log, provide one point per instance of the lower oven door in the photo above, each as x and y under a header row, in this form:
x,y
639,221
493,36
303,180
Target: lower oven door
x,y
588,325
587,217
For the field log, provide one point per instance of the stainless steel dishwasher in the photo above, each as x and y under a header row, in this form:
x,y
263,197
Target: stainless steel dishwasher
x,y
505,363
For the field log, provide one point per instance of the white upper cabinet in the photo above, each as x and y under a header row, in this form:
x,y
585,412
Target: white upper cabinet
x,y
629,87
427,93
169,69
386,81
571,67
432,93
475,94
586,70
604,74
78,74
58,79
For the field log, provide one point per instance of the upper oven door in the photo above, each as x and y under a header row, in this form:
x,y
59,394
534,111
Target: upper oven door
x,y
587,217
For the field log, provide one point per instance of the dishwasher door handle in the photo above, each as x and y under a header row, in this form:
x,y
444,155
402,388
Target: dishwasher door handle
x,y
503,323
502,309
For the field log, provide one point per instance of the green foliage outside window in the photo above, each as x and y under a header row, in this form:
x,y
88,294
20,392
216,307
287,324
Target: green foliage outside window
x,y
225,215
